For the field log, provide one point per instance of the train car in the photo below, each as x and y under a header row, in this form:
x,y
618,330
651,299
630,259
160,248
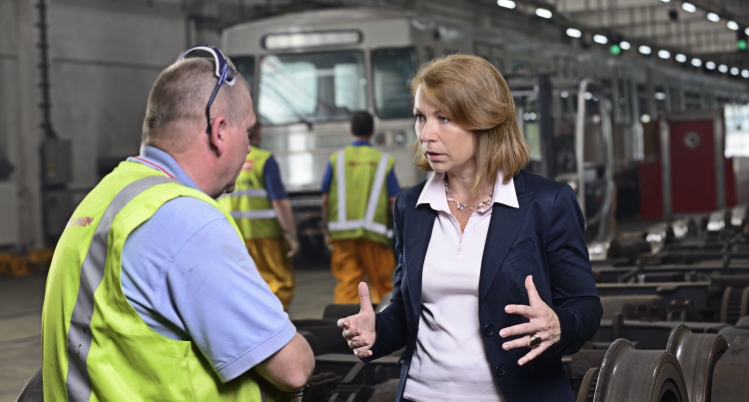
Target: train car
x,y
584,113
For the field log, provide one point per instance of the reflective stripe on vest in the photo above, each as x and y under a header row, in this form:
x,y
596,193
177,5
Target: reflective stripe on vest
x,y
368,222
78,382
255,214
260,214
254,192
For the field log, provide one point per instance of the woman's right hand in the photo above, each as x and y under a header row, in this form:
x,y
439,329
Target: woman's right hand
x,y
359,329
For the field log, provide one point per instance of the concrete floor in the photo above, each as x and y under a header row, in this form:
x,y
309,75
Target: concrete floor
x,y
21,311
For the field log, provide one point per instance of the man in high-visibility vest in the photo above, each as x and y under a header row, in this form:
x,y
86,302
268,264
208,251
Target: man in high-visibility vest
x,y
151,294
261,208
358,191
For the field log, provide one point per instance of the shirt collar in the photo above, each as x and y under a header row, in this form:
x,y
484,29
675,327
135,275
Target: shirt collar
x,y
360,143
433,193
162,161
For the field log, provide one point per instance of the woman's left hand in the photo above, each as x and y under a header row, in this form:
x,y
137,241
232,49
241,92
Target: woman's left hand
x,y
544,323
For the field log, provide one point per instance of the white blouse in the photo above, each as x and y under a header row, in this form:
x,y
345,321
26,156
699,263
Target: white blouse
x,y
449,363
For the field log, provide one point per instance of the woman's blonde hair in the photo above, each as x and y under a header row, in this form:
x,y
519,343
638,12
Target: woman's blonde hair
x,y
475,96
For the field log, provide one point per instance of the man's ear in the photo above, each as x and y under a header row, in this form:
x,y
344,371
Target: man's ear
x,y
217,136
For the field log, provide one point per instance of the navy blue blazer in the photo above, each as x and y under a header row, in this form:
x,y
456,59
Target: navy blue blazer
x,y
543,238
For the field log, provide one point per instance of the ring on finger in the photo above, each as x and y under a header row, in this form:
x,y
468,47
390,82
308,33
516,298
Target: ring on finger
x,y
533,340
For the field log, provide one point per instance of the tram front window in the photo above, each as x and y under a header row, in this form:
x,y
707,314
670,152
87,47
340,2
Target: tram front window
x,y
311,87
391,72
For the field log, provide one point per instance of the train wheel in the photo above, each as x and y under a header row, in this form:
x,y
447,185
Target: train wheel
x,y
735,304
697,354
628,374
588,386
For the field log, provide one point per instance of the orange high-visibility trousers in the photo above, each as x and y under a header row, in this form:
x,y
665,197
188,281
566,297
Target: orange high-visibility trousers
x,y
352,259
275,268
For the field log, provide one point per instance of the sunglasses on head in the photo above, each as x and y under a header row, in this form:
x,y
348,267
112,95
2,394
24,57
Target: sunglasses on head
x,y
224,72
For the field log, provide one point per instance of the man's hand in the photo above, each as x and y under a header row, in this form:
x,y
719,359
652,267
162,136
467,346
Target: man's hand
x,y
293,241
544,324
326,240
359,329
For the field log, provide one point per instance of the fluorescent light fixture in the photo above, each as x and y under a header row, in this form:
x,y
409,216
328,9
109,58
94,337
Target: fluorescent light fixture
x,y
506,3
723,68
734,71
710,65
745,73
543,13
645,118
689,7
600,39
645,49
666,1
660,96
681,58
696,62
664,54
574,33
732,25
713,17
625,45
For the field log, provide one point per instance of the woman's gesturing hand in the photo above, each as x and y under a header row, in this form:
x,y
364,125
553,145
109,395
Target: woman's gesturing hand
x,y
359,329
543,324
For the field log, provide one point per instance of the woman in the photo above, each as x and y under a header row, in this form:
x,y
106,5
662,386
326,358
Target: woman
x,y
493,283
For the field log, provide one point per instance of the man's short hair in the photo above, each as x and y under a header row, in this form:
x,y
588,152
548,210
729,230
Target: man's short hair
x,y
362,124
180,95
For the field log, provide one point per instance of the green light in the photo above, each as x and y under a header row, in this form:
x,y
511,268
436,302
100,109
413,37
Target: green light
x,y
615,49
741,44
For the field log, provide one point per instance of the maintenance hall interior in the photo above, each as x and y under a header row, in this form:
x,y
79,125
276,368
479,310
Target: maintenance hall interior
x,y
374,200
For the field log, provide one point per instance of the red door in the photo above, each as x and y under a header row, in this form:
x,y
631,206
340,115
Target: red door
x,y
692,167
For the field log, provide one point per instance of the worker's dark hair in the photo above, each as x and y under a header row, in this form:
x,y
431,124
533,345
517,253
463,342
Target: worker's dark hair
x,y
362,124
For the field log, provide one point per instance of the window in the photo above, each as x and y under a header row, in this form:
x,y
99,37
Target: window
x,y
392,70
311,87
246,66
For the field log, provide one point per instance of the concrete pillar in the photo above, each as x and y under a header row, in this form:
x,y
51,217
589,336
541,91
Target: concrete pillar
x,y
25,138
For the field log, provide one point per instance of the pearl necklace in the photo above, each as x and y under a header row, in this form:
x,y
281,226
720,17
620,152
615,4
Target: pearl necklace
x,y
482,205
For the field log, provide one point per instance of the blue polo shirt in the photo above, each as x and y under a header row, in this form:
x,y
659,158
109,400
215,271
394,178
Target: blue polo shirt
x,y
392,183
190,277
272,178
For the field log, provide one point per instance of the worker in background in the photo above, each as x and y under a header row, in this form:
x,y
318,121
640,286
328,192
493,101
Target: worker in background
x,y
262,210
358,191
152,295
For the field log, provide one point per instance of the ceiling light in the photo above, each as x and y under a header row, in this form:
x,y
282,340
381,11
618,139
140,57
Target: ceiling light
x,y
666,1
710,65
543,13
723,68
734,71
588,96
644,49
732,25
696,62
645,118
574,33
746,31
564,94
745,73
660,96
624,45
600,39
681,58
664,54
713,17
689,7
506,3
